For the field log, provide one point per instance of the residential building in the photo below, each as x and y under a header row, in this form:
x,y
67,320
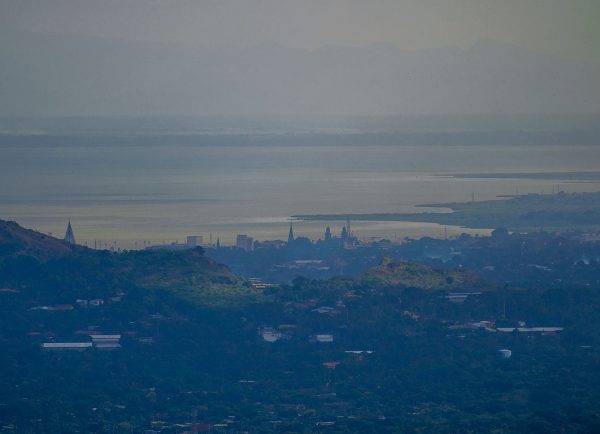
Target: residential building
x,y
80,346
194,240
244,242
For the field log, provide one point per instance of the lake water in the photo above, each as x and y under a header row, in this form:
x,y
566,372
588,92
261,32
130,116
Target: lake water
x,y
153,190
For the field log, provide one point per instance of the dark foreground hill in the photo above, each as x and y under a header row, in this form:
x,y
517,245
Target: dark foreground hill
x,y
394,350
15,240
29,259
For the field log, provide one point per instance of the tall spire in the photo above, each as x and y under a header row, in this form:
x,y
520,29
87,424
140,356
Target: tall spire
x,y
69,236
291,234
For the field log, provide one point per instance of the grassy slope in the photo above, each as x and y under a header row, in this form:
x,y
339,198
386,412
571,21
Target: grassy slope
x,y
389,277
188,274
194,277
16,240
405,274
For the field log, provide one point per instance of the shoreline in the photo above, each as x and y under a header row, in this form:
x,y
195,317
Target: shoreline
x,y
559,211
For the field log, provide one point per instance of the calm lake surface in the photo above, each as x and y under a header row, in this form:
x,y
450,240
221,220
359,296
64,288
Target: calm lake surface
x,y
159,190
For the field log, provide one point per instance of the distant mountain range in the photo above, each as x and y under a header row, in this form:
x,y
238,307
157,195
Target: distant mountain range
x,y
74,75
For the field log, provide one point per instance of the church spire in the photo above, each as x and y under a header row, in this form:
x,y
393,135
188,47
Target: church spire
x,y
291,234
328,234
69,236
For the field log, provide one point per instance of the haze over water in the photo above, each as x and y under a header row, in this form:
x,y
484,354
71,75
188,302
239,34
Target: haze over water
x,y
160,184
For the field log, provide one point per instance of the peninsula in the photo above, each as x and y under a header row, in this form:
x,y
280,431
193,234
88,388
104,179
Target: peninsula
x,y
522,213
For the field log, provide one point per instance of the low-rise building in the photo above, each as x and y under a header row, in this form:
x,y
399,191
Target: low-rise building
x,y
66,345
106,342
194,241
269,334
244,242
541,330
322,338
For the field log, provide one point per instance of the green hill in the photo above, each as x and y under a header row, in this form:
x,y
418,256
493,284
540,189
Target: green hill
x,y
390,277
188,274
30,259
405,274
16,240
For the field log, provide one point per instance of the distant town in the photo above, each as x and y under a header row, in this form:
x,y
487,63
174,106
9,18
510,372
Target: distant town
x,y
294,333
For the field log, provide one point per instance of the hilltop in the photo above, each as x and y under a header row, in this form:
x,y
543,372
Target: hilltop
x,y
391,277
391,273
33,260
16,240
188,274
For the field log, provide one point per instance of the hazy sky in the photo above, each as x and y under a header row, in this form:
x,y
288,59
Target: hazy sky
x,y
564,27
195,57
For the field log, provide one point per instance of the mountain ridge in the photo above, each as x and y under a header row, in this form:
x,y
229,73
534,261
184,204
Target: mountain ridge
x,y
64,75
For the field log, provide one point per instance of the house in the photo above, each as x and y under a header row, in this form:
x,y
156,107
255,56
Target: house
x,y
56,307
269,334
106,342
411,315
9,290
321,338
485,325
87,332
541,330
61,307
324,309
454,298
257,283
459,297
200,427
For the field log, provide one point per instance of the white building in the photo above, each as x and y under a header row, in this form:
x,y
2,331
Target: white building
x,y
66,345
244,242
542,330
194,240
322,338
106,342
